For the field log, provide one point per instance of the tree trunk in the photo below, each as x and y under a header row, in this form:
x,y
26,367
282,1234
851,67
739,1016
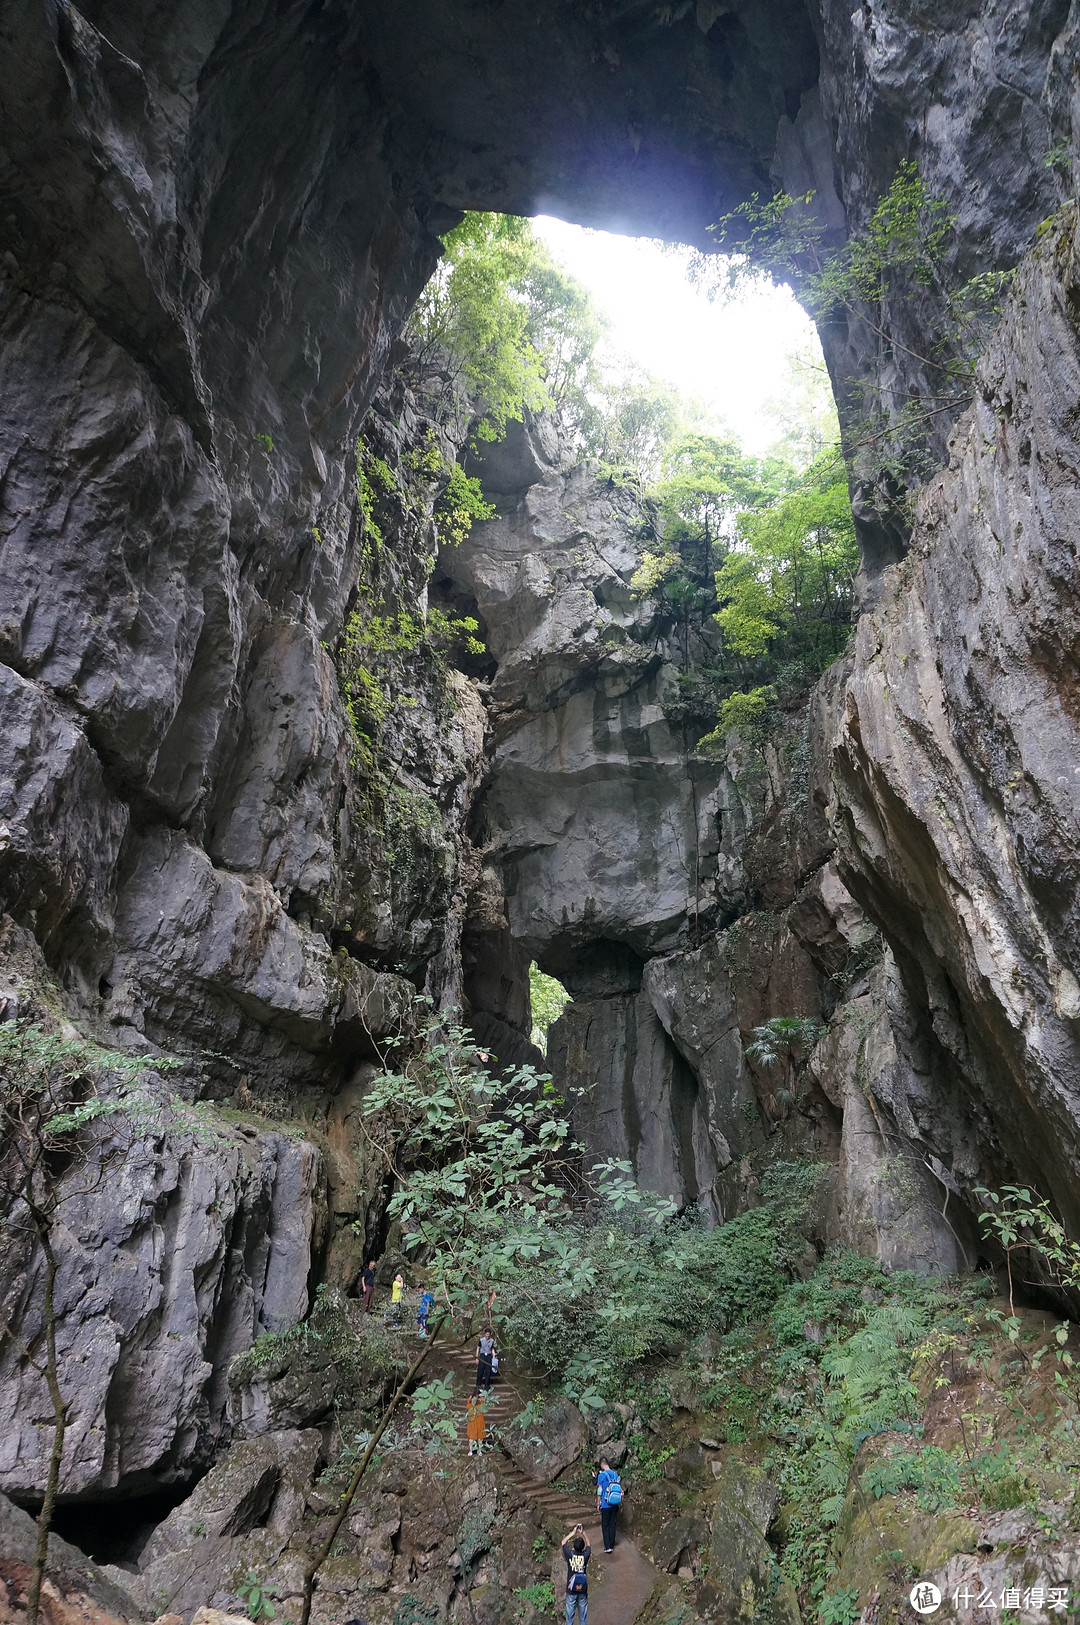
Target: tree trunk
x,y
325,1549
44,1522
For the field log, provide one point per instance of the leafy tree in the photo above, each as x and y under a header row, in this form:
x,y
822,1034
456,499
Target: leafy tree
x,y
634,420
752,715
787,585
472,313
804,411
513,329
484,1173
547,1001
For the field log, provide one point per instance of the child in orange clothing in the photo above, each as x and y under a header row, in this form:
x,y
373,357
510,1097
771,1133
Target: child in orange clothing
x,y
475,1423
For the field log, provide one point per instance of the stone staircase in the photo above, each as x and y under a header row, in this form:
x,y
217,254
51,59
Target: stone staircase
x,y
502,1406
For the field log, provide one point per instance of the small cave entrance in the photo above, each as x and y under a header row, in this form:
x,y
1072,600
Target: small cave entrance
x,y
117,1531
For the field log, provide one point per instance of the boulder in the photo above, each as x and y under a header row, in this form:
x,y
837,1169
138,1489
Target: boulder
x,y
550,1444
239,1517
686,1466
72,1572
751,1491
744,1576
677,1537
258,1482
744,1580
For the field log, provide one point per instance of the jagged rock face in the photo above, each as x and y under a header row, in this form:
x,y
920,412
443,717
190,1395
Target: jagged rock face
x,y
216,215
179,533
177,1247
978,94
604,827
956,760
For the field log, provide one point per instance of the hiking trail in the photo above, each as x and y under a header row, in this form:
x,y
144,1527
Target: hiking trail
x,y
620,1581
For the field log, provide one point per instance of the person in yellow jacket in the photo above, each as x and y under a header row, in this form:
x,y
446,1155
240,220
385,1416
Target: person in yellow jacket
x,y
397,1293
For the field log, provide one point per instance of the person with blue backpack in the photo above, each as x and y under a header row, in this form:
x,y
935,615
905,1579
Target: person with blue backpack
x,y
577,1551
608,1500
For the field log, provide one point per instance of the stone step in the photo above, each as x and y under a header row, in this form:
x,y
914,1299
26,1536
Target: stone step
x,y
500,1407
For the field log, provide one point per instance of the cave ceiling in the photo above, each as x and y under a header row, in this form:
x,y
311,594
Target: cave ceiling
x,y
635,117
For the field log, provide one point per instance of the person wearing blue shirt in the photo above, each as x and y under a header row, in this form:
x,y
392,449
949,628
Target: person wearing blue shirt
x,y
426,1301
608,1499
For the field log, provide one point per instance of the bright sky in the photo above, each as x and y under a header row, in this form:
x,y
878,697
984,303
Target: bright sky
x,y
730,355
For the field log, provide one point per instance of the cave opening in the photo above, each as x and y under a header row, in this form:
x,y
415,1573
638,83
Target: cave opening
x,y
117,1531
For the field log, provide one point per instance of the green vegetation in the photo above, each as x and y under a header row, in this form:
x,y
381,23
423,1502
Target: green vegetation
x,y
705,484
256,1595
515,331
362,1348
903,248
766,552
786,586
541,1596
547,1001
783,1039
504,325
1021,1220
390,655
483,1168
830,1389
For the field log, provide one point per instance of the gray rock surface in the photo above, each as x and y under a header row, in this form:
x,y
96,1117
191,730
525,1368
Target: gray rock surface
x,y
551,1443
240,1515
602,823
178,1246
892,1197
956,761
68,1568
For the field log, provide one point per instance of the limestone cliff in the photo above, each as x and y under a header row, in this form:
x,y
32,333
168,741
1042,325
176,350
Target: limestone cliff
x,y
216,215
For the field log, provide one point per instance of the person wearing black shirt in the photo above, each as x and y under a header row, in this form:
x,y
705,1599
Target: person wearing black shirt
x,y
485,1348
577,1551
367,1283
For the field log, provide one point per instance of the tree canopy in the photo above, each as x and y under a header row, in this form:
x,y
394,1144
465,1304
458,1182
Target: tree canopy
x,y
789,578
517,331
759,549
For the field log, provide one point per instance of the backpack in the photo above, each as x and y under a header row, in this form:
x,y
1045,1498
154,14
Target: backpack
x,y
612,1493
579,1580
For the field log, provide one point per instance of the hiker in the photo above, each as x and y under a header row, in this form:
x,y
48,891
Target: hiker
x,y
485,1353
475,1422
367,1285
608,1500
397,1292
424,1309
577,1551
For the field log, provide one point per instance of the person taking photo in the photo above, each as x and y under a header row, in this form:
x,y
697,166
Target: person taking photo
x,y
577,1551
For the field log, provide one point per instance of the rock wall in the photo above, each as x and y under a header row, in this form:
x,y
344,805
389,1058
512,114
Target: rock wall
x,y
602,823
178,1246
956,758
215,217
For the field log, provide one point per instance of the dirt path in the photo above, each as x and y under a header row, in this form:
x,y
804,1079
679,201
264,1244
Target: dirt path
x,y
619,1582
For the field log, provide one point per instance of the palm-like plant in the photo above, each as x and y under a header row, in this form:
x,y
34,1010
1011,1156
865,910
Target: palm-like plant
x,y
784,1040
